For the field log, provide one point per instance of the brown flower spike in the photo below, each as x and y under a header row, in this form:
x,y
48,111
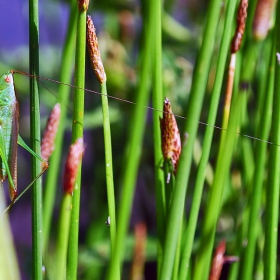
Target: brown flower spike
x,y
93,49
219,260
240,28
47,146
262,18
73,161
170,136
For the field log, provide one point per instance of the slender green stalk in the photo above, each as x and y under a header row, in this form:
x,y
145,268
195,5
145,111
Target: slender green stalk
x,y
109,164
272,191
169,184
177,260
234,269
8,261
262,72
207,142
77,132
250,18
63,96
35,140
175,30
256,190
134,149
62,240
193,113
213,207
157,99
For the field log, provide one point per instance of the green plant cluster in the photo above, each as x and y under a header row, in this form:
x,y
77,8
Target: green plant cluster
x,y
125,212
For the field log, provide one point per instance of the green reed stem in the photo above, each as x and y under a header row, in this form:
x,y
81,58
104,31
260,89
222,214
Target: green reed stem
x,y
9,268
157,101
77,132
175,272
35,140
63,96
223,52
109,165
193,113
213,207
62,239
272,191
258,178
133,150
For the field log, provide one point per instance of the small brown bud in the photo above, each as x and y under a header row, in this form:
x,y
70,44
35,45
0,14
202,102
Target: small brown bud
x,y
13,194
93,49
83,5
47,146
263,15
73,161
240,28
219,260
170,136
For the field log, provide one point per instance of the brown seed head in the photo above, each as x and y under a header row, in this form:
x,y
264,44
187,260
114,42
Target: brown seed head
x,y
170,136
47,146
83,5
73,161
240,28
263,15
93,49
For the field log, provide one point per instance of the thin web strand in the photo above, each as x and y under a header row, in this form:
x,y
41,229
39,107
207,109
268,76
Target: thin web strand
x,y
148,107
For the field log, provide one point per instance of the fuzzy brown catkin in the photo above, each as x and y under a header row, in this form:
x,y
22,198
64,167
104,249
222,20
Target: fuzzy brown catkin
x,y
48,140
262,18
94,53
73,161
170,136
240,28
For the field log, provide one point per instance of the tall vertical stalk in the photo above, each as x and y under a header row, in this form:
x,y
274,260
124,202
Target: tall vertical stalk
x,y
35,140
97,65
77,132
193,113
63,95
190,232
272,203
156,7
213,207
258,178
9,268
134,147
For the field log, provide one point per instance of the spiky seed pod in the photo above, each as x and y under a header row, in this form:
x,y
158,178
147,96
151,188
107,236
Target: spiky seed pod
x,y
93,49
170,136
73,161
83,5
219,260
262,18
48,146
240,27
